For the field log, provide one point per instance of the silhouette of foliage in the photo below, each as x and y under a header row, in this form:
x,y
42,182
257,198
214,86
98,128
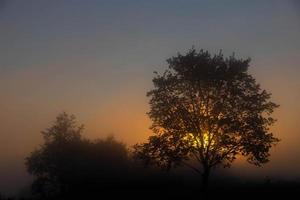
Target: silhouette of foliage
x,y
207,109
68,164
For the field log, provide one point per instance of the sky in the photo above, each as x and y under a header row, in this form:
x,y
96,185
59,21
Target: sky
x,y
95,59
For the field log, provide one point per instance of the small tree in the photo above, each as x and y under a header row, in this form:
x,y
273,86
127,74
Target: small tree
x,y
206,110
54,162
66,164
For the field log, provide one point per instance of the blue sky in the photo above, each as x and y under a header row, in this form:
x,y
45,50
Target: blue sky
x,y
35,33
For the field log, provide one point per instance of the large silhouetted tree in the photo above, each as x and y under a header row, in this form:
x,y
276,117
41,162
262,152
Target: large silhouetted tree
x,y
207,109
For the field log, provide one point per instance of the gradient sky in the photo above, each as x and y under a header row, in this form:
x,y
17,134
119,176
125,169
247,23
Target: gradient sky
x,y
95,59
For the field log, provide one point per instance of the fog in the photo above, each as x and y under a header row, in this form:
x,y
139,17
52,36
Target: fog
x,y
96,60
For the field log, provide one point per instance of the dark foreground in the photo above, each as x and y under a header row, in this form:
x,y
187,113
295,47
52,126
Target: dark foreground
x,y
173,189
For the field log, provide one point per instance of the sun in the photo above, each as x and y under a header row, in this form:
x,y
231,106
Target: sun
x,y
196,141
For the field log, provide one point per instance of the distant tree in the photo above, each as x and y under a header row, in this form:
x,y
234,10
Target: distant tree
x,y
68,164
51,162
206,110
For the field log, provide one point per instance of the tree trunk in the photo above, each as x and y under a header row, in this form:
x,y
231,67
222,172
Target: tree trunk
x,y
205,177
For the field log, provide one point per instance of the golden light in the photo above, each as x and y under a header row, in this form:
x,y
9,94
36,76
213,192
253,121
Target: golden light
x,y
196,140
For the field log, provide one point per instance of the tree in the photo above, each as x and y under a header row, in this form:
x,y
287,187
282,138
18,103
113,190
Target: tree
x,y
51,162
67,164
206,110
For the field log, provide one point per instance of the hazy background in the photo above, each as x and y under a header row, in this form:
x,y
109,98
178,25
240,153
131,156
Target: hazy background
x,y
95,59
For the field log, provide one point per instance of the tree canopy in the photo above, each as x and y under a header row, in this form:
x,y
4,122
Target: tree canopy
x,y
209,109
